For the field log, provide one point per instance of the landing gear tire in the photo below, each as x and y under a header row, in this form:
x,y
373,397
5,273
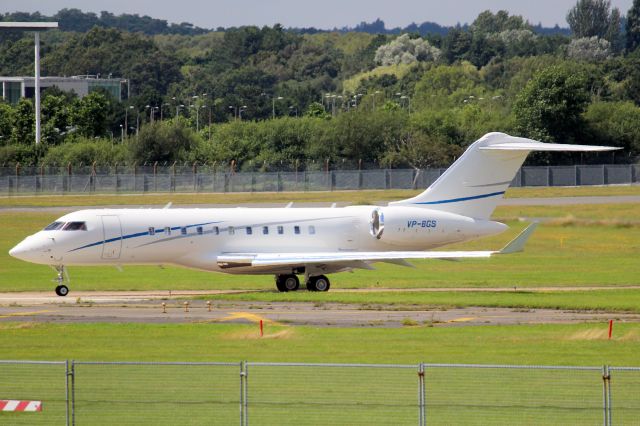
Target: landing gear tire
x,y
286,283
62,290
318,283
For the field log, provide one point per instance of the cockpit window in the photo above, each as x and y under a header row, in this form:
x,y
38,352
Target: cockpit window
x,y
54,226
75,226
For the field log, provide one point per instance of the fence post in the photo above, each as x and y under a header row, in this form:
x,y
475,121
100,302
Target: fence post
x,y
421,395
604,174
73,393
609,406
245,392
17,177
605,395
66,391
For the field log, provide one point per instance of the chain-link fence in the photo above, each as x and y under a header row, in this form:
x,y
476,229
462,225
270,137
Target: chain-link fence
x,y
33,180
310,394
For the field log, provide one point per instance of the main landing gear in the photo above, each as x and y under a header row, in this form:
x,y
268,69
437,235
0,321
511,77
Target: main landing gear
x,y
61,288
291,282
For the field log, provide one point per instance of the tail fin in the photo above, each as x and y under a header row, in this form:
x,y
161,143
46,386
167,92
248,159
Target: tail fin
x,y
474,184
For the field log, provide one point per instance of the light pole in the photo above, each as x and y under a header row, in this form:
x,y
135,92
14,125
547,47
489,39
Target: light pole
x,y
121,133
162,110
36,27
126,118
374,99
408,98
235,111
178,108
137,122
273,105
292,109
242,108
146,107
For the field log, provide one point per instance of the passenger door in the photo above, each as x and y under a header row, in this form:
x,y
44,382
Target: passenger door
x,y
112,232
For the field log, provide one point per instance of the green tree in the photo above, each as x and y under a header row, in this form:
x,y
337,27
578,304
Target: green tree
x,y
549,108
615,124
633,26
594,18
23,123
56,120
90,115
167,141
316,109
6,122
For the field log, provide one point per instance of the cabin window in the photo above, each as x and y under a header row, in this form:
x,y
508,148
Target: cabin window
x,y
199,230
265,230
183,230
280,230
216,230
312,230
232,230
75,226
54,226
296,230
249,230
167,230
152,230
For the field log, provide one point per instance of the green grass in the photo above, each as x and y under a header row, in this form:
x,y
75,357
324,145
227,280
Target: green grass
x,y
356,197
621,300
578,344
169,394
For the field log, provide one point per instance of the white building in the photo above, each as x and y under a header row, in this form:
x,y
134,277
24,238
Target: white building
x,y
14,88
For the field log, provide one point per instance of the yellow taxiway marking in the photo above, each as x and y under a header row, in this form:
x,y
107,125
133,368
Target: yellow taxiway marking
x,y
463,319
247,316
23,314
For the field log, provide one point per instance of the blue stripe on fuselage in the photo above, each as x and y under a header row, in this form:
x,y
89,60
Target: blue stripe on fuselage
x,y
455,200
138,234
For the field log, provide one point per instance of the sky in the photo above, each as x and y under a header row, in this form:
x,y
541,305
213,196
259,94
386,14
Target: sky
x,y
324,14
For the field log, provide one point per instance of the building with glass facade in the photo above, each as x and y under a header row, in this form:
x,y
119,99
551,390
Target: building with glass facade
x,y
14,88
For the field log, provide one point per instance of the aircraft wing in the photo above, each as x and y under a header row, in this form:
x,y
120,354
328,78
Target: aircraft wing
x,y
361,259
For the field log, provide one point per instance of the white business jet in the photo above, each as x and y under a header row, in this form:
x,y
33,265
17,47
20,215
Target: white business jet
x,y
312,242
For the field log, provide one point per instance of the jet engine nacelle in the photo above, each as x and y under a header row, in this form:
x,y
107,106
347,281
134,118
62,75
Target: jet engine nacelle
x,y
423,228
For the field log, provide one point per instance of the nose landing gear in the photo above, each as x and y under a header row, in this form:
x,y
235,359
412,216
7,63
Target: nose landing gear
x,y
61,288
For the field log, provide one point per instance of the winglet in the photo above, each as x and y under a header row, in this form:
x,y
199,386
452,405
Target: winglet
x,y
517,244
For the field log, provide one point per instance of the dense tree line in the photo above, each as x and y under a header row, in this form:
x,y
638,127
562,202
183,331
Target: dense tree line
x,y
268,97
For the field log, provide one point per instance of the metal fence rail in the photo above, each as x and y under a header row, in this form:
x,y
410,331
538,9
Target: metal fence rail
x,y
15,181
299,394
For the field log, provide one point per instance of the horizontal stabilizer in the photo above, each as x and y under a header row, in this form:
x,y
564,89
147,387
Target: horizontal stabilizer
x,y
540,146
517,244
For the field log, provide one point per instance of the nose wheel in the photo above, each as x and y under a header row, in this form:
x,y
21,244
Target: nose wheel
x,y
61,289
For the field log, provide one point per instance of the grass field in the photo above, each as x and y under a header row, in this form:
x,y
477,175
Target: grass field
x,y
356,197
194,394
580,246
580,344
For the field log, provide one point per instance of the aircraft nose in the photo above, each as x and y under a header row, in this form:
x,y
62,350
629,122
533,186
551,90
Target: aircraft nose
x,y
31,249
18,251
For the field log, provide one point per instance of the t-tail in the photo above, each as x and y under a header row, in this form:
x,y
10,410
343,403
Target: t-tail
x,y
474,184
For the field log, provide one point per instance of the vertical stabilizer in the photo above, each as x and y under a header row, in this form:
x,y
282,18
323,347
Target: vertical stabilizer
x,y
474,184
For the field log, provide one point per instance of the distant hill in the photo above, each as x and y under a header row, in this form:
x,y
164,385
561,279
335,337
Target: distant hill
x,y
79,21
